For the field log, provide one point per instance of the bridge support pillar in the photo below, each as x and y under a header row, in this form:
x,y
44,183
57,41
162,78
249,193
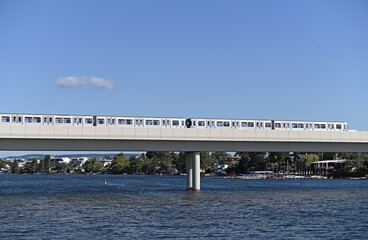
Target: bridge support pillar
x,y
193,164
196,164
188,156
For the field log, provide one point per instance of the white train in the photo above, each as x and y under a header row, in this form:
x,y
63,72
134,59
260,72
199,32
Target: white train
x,y
97,121
266,124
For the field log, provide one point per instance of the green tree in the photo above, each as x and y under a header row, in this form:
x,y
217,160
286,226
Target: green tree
x,y
251,161
47,163
278,159
92,165
119,164
164,160
308,160
137,163
206,160
219,157
41,166
61,166
31,167
160,161
15,166
2,163
97,166
180,162
349,155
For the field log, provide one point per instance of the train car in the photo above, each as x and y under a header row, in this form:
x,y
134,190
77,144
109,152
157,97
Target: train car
x,y
266,124
157,122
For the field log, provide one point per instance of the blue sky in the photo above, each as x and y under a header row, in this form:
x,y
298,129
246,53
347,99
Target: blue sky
x,y
299,60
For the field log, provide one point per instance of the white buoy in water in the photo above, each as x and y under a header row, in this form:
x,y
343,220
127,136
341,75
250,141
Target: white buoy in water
x,y
105,183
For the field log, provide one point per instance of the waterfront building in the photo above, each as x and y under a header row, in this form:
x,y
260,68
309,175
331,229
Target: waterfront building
x,y
78,161
105,161
54,161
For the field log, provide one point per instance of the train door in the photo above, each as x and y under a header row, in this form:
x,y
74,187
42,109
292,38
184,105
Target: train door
x,y
110,121
139,122
166,123
16,119
77,121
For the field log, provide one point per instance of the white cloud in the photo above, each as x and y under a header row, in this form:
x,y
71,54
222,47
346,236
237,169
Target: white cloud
x,y
73,81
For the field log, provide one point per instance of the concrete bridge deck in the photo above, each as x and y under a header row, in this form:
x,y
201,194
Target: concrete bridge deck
x,y
111,138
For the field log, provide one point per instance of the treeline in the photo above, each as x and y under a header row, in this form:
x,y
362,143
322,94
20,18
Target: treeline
x,y
33,166
174,163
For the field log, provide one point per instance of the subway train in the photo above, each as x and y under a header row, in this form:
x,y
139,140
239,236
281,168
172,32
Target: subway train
x,y
169,122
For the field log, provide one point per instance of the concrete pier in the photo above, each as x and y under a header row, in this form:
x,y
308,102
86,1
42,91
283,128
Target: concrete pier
x,y
189,170
193,164
196,164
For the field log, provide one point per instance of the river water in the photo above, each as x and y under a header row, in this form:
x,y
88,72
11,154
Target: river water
x,y
83,207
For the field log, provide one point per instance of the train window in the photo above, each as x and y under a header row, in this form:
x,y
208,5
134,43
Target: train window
x,y
80,120
338,126
237,124
201,123
332,126
244,124
163,122
37,120
323,126
148,122
300,125
213,124
28,119
250,124
294,125
109,121
182,123
194,123
220,124
50,120
268,125
316,126
75,120
100,121
257,124
67,120
58,120
208,123
129,122
136,122
175,123
88,120
278,125
20,119
261,124
233,124
14,119
226,124
168,122
5,119
121,121
156,122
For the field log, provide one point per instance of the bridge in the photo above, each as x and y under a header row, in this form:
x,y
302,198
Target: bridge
x,y
191,140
